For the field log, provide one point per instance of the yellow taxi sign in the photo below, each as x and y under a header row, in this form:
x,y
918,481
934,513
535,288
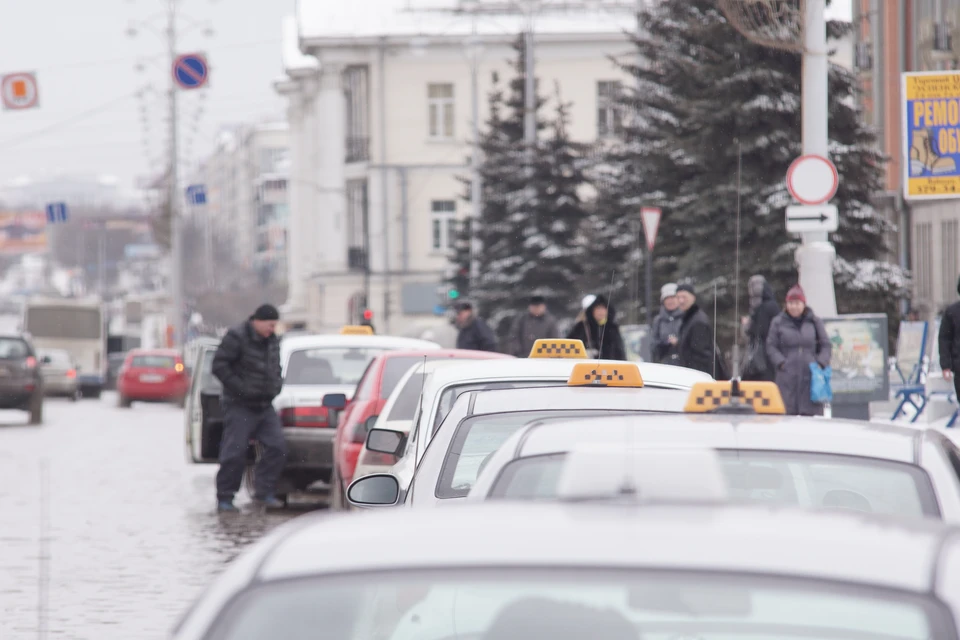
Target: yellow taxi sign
x,y
356,330
762,397
592,374
550,348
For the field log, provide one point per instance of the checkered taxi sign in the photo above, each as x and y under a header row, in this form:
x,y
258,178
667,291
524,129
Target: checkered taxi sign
x,y
764,397
590,374
556,348
356,330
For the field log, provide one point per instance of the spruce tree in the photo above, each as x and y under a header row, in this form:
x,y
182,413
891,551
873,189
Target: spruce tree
x,y
709,100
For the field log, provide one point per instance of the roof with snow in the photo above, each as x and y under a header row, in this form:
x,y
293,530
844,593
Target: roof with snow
x,y
295,60
360,19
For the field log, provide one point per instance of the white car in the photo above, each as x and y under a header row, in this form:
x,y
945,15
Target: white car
x,y
567,571
481,420
795,461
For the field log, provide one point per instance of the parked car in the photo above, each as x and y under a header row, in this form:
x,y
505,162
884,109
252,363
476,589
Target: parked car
x,y
152,375
21,383
59,373
203,417
374,389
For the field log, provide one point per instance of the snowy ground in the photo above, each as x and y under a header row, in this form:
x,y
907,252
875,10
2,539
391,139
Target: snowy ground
x,y
133,534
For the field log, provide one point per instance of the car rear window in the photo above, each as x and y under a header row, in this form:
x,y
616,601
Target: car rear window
x,y
13,349
339,366
809,480
153,362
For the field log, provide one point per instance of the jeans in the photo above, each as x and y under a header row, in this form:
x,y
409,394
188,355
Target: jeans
x,y
240,425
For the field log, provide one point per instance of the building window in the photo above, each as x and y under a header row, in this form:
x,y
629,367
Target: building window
x,y
609,114
440,108
356,91
443,224
949,264
357,239
923,269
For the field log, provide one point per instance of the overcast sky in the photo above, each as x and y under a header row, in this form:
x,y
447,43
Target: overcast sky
x,y
90,120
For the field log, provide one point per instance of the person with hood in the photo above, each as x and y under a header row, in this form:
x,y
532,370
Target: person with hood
x,y
796,339
597,328
949,340
474,333
666,326
695,346
756,327
536,324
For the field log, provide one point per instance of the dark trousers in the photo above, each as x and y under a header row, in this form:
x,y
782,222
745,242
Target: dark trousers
x,y
240,425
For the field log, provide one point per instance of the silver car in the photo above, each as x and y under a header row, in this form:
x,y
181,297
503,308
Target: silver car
x,y
563,571
59,373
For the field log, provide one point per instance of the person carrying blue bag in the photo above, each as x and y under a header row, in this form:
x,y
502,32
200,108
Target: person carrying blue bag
x,y
799,351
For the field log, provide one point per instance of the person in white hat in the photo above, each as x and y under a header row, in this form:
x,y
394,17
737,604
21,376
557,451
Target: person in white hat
x,y
666,326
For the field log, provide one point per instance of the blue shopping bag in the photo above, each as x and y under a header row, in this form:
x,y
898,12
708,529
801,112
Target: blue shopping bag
x,y
820,391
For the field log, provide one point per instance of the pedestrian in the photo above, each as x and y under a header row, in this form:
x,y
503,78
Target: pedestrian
x,y
756,327
666,326
695,344
247,363
796,339
597,328
536,324
950,343
474,333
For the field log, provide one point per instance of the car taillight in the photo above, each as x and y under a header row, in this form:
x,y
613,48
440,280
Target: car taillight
x,y
30,362
72,373
178,367
304,417
378,459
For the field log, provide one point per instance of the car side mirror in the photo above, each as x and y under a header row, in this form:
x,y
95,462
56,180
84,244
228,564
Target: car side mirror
x,y
335,401
385,441
377,490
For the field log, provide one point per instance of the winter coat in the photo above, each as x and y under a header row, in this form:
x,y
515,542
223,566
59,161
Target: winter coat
x,y
792,345
527,329
476,336
757,330
607,338
695,343
950,338
666,324
248,366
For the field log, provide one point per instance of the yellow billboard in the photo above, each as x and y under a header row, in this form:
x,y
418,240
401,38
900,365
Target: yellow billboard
x,y
23,232
931,135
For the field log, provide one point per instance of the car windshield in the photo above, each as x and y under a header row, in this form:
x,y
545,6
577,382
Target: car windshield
x,y
478,437
405,406
13,349
810,480
153,362
561,603
339,366
449,396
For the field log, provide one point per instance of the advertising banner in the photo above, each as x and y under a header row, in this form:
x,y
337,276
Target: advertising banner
x,y
859,361
931,134
23,232
911,345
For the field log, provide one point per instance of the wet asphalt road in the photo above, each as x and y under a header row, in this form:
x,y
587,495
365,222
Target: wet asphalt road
x,y
132,532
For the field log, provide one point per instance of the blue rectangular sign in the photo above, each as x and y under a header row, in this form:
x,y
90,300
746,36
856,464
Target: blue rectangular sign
x,y
57,212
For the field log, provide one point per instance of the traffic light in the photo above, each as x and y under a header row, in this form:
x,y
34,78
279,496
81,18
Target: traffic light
x,y
453,294
367,315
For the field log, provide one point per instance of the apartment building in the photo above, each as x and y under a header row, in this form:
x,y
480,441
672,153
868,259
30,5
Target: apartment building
x,y
380,103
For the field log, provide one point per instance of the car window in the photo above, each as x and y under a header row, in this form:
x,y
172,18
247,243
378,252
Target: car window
x,y
153,362
328,365
953,456
449,396
407,401
365,386
13,349
809,480
209,383
614,604
480,436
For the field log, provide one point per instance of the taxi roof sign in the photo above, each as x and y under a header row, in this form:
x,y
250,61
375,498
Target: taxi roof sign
x,y
356,330
591,374
558,348
761,397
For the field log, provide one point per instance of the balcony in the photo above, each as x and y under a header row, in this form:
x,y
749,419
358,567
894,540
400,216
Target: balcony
x,y
357,258
358,148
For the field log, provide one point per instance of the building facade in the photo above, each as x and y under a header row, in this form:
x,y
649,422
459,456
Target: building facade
x,y
381,113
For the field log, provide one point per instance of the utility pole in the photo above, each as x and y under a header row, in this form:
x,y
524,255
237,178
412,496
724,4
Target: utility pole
x,y
476,184
176,246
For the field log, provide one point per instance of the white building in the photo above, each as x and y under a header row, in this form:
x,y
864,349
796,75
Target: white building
x,y
246,187
380,113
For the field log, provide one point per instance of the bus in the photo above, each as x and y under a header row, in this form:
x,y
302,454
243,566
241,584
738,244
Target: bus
x,y
76,325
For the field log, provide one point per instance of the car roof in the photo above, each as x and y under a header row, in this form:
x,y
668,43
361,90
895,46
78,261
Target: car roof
x,y
577,398
777,433
296,343
463,354
740,538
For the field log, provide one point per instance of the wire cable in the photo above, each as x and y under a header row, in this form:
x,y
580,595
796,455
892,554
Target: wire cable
x,y
83,115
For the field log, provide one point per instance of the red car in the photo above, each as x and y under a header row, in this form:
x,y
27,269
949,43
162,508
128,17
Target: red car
x,y
378,382
152,375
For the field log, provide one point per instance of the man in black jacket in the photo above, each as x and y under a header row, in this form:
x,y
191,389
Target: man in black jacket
x,y
474,332
950,343
247,363
695,342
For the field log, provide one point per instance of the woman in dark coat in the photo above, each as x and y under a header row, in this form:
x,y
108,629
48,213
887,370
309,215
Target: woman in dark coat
x,y
797,337
599,331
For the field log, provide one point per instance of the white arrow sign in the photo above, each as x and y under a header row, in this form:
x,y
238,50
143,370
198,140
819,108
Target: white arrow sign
x,y
650,216
807,219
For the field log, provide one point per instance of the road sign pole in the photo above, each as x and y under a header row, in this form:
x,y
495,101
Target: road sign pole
x,y
176,248
649,277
